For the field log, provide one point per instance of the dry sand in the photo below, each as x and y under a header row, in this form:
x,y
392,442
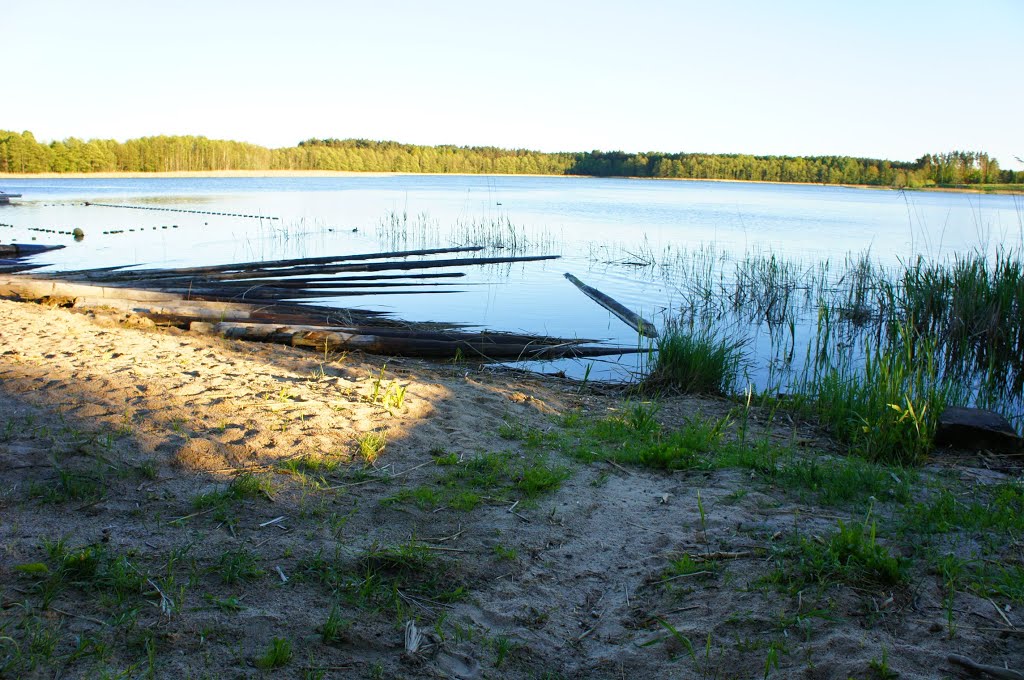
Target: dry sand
x,y
564,586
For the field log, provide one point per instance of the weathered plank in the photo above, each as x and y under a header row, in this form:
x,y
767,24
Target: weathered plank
x,y
33,288
481,347
631,318
121,274
23,249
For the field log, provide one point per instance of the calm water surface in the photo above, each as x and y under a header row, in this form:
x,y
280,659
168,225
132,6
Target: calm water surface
x,y
604,229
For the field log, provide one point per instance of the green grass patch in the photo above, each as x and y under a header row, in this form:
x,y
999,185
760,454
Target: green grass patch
x,y
845,480
277,654
696,359
851,556
980,576
224,502
88,485
497,477
238,565
388,578
371,445
91,568
241,487
311,464
885,409
635,437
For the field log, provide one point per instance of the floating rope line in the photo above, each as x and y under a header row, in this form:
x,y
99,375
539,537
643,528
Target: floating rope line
x,y
182,210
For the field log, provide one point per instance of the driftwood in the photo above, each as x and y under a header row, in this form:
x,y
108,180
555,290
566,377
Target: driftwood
x,y
271,294
120,274
488,347
16,252
33,288
300,270
978,669
11,266
262,301
23,249
633,320
291,324
295,281
395,332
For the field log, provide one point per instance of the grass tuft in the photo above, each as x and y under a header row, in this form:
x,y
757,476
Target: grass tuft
x,y
851,555
886,408
277,654
695,360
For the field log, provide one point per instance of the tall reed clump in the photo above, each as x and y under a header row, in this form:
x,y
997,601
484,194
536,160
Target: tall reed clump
x,y
886,406
695,359
975,309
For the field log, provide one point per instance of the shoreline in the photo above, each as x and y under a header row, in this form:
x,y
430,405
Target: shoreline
x,y
213,174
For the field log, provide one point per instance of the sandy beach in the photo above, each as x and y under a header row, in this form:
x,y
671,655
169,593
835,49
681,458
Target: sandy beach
x,y
183,506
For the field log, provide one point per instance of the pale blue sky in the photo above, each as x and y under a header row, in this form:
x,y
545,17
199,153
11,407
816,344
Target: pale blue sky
x,y
878,79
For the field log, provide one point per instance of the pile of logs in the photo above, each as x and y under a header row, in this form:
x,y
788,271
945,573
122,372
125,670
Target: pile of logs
x,y
264,301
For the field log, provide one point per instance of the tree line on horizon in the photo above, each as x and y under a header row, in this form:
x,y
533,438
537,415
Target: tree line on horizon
x,y
21,153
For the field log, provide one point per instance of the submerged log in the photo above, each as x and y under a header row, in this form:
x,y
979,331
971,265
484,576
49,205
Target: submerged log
x,y
371,277
499,337
254,304
120,274
482,347
301,270
632,319
24,249
11,266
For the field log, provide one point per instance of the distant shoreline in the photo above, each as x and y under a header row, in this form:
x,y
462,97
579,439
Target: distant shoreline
x,y
351,173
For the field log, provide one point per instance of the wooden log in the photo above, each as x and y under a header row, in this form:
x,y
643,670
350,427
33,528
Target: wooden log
x,y
631,318
497,337
373,267
208,292
24,249
176,309
345,280
183,312
33,288
135,274
272,296
420,347
11,266
984,669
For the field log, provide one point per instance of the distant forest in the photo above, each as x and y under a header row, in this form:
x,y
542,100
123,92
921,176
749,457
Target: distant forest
x,y
21,153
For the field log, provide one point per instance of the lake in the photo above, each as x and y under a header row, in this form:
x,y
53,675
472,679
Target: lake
x,y
652,245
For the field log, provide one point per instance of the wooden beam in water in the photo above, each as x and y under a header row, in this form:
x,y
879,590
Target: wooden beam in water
x,y
345,279
631,318
24,249
137,274
380,266
480,347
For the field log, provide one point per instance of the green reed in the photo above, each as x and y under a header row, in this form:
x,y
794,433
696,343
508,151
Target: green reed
x,y
400,231
695,358
884,401
885,348
974,307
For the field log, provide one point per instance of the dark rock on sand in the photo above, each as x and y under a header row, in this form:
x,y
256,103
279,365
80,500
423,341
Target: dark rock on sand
x,y
976,429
